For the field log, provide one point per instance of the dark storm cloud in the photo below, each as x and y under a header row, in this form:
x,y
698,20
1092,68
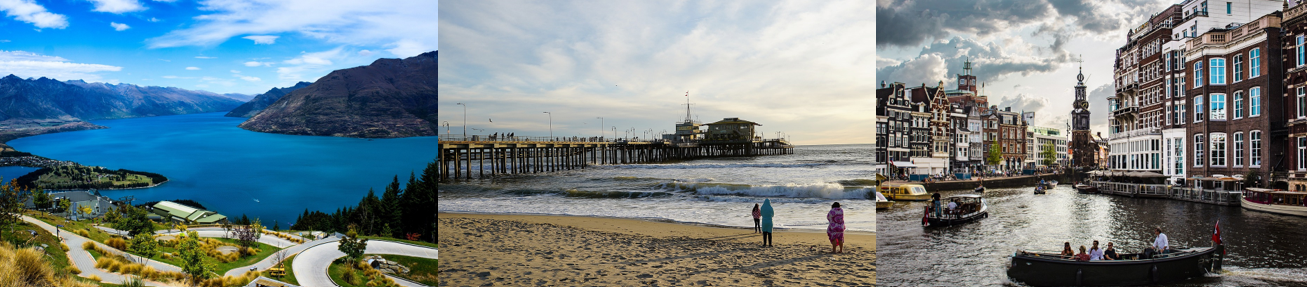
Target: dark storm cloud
x,y
904,23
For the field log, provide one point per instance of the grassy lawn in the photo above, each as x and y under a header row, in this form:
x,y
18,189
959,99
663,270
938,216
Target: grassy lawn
x,y
337,271
290,272
427,244
421,270
54,254
71,226
264,251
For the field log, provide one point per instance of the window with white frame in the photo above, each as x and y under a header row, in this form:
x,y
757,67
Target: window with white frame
x,y
1218,106
1255,101
1198,150
1300,52
1238,105
1255,149
1198,109
1255,63
1218,71
1198,74
1302,153
1218,149
1238,149
1302,103
1238,68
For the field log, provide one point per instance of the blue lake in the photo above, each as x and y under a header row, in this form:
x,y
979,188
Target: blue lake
x,y
207,158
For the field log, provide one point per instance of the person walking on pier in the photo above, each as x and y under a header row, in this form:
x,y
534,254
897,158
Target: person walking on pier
x,y
835,229
767,214
757,218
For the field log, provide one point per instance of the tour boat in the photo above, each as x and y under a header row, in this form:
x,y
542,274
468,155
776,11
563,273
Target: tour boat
x,y
904,191
1275,201
980,189
1040,190
971,207
1085,188
1052,184
882,202
1051,269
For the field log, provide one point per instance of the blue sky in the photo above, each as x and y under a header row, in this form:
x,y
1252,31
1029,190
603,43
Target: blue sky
x,y
804,68
223,46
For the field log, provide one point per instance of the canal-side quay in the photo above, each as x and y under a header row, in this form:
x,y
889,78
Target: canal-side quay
x,y
1138,190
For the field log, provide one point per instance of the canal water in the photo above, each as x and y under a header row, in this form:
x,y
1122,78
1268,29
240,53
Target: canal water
x,y
1263,248
716,191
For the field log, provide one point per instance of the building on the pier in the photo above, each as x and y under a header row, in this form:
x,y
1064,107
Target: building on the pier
x,y
1039,138
731,130
1138,106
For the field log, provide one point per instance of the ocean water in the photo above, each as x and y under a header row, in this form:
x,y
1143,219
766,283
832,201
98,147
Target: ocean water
x,y
719,191
207,158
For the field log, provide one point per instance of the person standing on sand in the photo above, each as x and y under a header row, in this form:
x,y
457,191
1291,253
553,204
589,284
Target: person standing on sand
x,y
835,229
757,218
767,214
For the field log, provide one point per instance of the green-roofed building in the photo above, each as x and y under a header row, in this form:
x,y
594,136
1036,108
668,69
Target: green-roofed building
x,y
185,214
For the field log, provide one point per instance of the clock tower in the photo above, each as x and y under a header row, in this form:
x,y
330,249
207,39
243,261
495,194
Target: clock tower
x,y
1083,148
967,81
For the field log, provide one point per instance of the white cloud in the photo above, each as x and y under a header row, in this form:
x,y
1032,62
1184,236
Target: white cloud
x,y
205,57
257,63
26,64
235,72
192,68
805,69
403,26
316,64
117,6
169,77
119,26
249,78
30,12
4,41
152,19
366,53
262,39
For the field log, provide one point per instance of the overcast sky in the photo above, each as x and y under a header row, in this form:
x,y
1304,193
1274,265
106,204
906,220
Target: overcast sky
x,y
801,67
224,46
1026,51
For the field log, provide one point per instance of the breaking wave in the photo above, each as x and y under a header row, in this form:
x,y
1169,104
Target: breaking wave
x,y
823,190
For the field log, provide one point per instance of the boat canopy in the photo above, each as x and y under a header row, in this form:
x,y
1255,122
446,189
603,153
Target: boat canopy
x,y
903,164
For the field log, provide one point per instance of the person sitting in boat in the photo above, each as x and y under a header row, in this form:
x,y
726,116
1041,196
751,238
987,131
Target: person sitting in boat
x,y
1110,253
1066,250
1095,253
1082,256
1161,245
953,206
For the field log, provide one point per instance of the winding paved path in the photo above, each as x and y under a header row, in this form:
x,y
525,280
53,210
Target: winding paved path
x,y
315,260
83,260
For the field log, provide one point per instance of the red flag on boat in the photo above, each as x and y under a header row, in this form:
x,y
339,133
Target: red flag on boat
x,y
925,217
1216,234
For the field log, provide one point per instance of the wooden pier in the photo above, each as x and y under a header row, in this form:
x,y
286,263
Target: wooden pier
x,y
479,158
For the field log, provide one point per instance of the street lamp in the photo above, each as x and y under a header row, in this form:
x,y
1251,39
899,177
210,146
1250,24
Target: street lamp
x,y
464,120
551,125
446,129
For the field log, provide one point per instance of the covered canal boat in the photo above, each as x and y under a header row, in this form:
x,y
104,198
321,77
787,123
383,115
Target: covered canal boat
x,y
1275,201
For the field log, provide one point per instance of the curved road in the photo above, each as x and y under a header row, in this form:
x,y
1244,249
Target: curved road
x,y
318,256
83,260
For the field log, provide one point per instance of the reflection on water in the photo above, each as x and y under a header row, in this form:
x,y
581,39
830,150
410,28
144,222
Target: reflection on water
x,y
1263,248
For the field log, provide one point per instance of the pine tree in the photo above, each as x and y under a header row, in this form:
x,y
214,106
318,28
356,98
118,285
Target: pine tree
x,y
390,211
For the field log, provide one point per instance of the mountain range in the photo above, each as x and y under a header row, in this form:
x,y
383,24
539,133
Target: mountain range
x,y
389,98
260,102
44,105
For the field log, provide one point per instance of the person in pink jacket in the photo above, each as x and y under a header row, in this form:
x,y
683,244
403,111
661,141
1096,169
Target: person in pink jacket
x,y
835,229
757,219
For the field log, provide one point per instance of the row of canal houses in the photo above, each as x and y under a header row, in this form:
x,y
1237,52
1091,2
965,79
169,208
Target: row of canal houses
x,y
932,131
1210,95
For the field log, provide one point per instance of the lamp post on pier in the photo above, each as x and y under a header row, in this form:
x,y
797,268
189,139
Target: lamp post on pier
x,y
464,120
551,125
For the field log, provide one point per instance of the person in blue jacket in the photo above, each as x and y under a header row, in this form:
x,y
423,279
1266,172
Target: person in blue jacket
x,y
767,214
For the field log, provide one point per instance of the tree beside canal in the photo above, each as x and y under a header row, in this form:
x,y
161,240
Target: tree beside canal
x,y
1049,153
995,156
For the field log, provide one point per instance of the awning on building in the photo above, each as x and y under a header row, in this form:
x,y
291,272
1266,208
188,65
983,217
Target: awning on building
x,y
902,164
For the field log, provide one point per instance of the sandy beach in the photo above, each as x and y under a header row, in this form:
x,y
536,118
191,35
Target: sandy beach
x,y
529,250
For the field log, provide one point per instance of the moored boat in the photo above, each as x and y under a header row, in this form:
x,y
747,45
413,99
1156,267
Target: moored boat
x,y
1050,269
970,207
904,191
1275,201
882,202
1085,188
